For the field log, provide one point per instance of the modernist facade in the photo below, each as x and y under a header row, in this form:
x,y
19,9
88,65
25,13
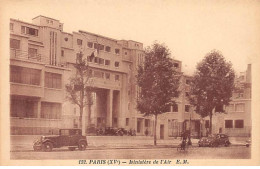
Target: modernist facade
x,y
41,63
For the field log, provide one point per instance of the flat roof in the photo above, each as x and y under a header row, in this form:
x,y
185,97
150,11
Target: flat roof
x,y
45,17
17,20
81,31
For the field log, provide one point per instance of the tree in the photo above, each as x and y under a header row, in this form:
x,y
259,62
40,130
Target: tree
x,y
80,89
158,81
212,85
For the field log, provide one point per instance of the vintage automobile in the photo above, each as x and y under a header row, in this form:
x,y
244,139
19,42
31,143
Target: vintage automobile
x,y
67,137
214,140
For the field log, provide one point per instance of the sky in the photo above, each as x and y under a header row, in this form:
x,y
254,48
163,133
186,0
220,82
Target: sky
x,y
190,29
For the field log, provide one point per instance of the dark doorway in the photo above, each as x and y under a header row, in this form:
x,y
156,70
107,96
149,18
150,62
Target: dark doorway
x,y
161,131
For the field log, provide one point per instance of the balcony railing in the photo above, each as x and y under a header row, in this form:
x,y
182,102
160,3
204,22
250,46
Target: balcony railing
x,y
24,55
19,54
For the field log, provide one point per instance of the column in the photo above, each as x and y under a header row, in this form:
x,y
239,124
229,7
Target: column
x,y
109,108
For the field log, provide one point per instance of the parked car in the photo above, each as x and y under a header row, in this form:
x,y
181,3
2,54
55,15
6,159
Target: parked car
x,y
121,132
214,140
67,137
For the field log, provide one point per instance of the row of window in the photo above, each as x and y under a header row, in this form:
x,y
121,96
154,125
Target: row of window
x,y
26,108
100,74
238,123
98,46
32,77
239,107
174,108
229,124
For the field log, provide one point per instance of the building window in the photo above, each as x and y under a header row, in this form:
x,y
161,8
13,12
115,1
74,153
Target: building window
x,y
146,122
101,61
116,64
239,123
66,39
187,94
187,108
176,65
230,108
62,53
32,53
107,62
14,44
125,53
239,107
228,123
25,75
207,124
101,47
98,74
52,80
116,77
127,121
23,107
50,110
117,51
90,44
29,31
107,75
129,92
79,42
11,26
96,60
175,108
108,49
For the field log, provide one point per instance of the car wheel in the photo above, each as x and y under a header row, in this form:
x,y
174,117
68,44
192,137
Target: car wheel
x,y
227,144
47,146
82,145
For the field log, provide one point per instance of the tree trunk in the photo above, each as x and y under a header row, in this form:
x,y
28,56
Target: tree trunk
x,y
82,121
89,115
154,132
210,123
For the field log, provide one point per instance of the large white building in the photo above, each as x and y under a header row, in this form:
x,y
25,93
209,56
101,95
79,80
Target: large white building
x,y
41,62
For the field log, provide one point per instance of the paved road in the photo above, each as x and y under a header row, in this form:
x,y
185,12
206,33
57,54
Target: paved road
x,y
237,152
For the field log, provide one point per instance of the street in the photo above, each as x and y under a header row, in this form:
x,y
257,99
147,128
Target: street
x,y
235,152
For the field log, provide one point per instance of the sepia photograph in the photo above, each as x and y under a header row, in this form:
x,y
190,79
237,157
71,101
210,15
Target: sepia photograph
x,y
130,82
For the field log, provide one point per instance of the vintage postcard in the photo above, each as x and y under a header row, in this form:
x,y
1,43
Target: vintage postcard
x,y
126,83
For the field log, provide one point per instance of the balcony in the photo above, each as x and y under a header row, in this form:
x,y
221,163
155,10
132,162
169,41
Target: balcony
x,y
35,57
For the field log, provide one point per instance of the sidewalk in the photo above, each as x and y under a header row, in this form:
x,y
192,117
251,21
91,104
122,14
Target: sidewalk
x,y
25,142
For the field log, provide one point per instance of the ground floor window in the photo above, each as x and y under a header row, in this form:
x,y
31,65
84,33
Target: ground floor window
x,y
239,123
228,123
173,127
50,110
24,107
25,75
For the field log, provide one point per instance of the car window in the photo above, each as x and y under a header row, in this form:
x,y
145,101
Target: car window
x,y
64,132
